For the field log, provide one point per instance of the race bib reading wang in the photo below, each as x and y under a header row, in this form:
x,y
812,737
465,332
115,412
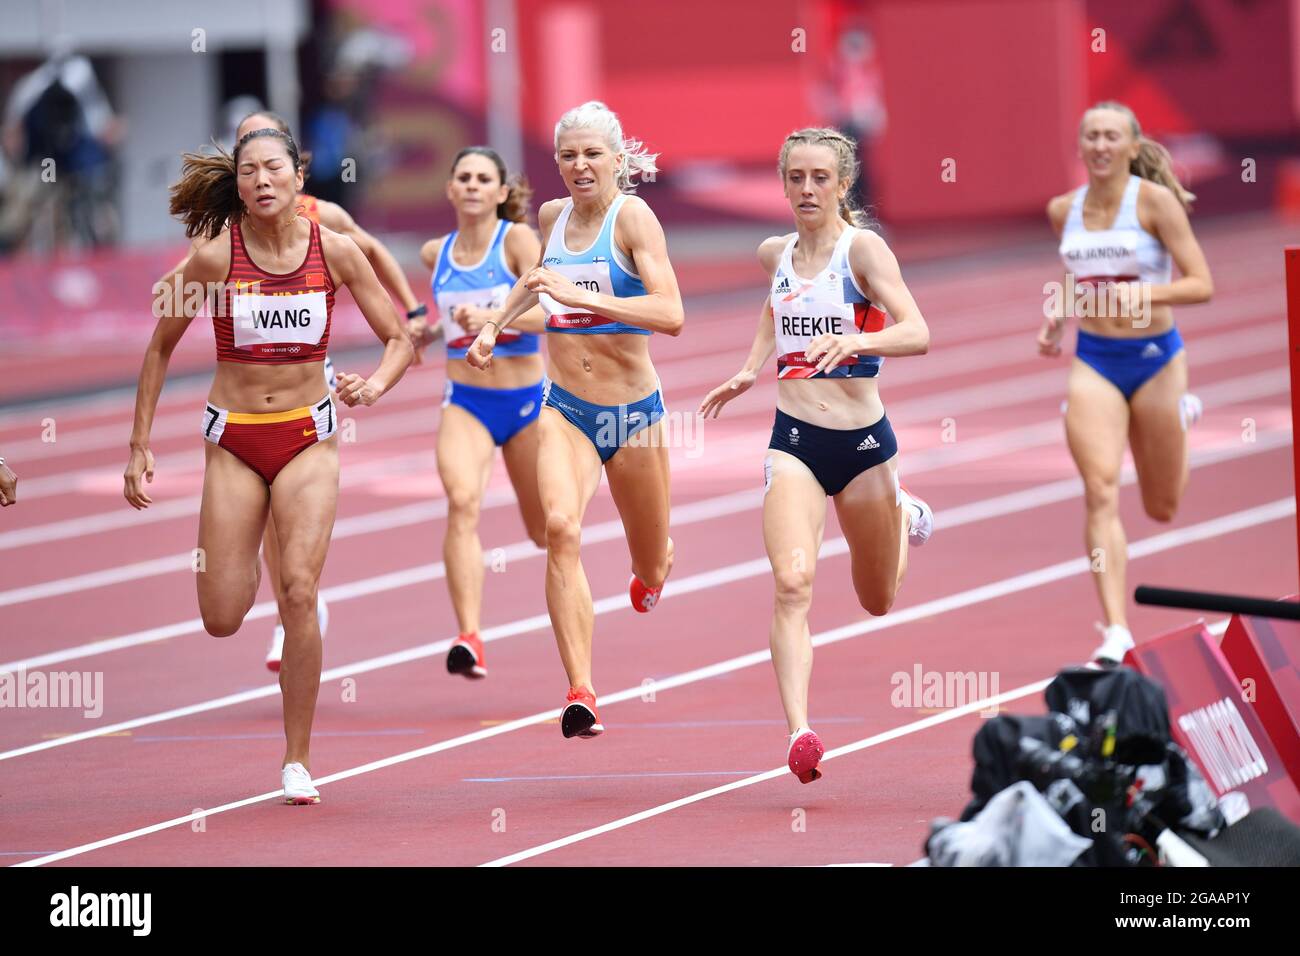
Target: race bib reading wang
x,y
262,320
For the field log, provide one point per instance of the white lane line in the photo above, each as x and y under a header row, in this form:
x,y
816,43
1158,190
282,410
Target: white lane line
x,y
960,401
611,530
707,509
873,741
123,516
685,372
985,447
1205,530
1013,503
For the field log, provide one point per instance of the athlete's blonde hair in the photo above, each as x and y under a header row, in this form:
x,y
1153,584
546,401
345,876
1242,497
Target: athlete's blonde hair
x,y
1153,161
847,165
637,160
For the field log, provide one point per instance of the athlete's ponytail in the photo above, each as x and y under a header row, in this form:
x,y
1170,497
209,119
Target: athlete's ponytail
x,y
519,192
515,208
206,197
638,162
847,166
1153,161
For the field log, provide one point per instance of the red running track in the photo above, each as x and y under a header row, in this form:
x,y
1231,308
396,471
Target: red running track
x,y
416,767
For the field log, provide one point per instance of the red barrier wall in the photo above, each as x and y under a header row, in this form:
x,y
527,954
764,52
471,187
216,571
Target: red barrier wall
x,y
997,86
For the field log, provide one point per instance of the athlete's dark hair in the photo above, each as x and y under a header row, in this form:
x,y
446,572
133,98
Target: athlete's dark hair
x,y
515,206
278,122
206,197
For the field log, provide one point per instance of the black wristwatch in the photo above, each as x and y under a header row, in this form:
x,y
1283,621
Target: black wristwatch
x,y
418,311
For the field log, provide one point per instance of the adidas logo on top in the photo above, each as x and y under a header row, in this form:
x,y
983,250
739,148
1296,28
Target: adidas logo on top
x,y
1152,351
784,285
868,443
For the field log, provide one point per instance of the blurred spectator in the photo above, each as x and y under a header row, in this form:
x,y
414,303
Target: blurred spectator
x,y
853,99
334,135
59,112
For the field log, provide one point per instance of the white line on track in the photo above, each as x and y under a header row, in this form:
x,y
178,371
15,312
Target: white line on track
x,y
679,373
874,740
1202,531
985,447
1012,503
958,402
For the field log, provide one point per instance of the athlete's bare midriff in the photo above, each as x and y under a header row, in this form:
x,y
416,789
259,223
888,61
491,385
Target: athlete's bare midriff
x,y
602,369
245,387
513,371
843,403
1110,326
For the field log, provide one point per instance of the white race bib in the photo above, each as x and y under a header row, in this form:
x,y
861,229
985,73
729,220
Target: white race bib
x,y
274,319
491,298
1095,255
592,276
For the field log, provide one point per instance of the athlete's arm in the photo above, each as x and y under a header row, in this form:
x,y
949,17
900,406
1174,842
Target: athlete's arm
x,y
351,268
209,263
524,251
8,485
521,298
1049,336
769,253
1174,230
418,329
333,216
170,284
876,268
660,309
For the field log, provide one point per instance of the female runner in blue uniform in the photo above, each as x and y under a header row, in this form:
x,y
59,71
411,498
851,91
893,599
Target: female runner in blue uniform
x,y
603,402
474,269
1128,383
831,438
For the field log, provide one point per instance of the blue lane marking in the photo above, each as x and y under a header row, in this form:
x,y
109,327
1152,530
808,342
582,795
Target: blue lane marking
x,y
738,723
610,776
279,735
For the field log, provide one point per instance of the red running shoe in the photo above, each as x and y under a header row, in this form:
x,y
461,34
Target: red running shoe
x,y
466,657
804,755
643,598
580,718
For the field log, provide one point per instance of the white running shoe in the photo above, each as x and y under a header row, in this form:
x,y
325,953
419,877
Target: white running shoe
x,y
921,525
1116,641
276,652
1190,409
298,790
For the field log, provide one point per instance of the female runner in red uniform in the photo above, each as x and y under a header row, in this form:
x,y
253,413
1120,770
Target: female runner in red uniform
x,y
269,423
831,438
332,216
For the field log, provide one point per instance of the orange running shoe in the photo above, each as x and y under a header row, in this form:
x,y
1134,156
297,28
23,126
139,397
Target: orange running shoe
x,y
466,657
580,718
643,598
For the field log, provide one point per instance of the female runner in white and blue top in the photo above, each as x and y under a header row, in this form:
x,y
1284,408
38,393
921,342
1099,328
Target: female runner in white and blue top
x,y
474,269
831,438
603,403
1128,383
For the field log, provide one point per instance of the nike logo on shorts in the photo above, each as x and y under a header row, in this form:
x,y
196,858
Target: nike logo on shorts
x,y
308,432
